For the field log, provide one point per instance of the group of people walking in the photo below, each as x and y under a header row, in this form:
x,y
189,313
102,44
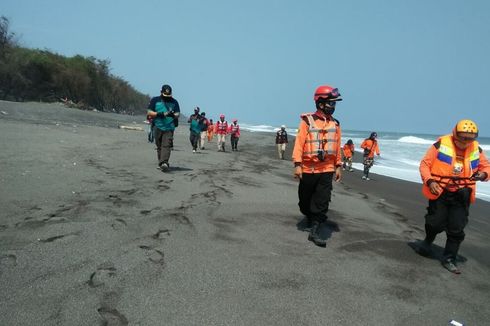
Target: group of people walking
x,y
449,172
163,117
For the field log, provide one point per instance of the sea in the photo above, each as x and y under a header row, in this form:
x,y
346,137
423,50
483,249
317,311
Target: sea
x,y
401,153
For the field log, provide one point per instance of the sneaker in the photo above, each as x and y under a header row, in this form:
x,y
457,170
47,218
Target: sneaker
x,y
363,177
193,150
164,167
450,265
351,170
367,179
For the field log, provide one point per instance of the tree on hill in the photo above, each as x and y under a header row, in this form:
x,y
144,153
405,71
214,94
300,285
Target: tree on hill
x,y
41,75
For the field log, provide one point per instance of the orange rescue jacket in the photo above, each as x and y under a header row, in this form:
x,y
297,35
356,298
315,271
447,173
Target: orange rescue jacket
x,y
348,150
372,146
317,145
452,167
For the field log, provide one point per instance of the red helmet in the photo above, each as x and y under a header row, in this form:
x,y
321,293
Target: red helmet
x,y
235,120
222,116
327,92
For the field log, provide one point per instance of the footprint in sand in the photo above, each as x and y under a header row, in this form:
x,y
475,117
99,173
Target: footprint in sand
x,y
154,255
161,234
102,275
59,237
119,224
112,317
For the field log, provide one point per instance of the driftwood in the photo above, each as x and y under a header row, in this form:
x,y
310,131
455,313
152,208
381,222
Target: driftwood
x,y
131,128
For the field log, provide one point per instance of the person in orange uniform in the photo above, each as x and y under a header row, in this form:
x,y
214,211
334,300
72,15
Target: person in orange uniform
x,y
317,159
449,172
370,146
348,150
210,130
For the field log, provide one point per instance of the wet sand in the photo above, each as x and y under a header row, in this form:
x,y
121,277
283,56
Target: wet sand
x,y
91,233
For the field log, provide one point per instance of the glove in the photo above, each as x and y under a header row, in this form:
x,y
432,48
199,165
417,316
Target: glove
x,y
162,114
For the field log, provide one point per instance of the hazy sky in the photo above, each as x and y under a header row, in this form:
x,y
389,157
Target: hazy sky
x,y
408,66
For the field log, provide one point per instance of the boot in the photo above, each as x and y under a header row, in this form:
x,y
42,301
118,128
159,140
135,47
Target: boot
x,y
315,235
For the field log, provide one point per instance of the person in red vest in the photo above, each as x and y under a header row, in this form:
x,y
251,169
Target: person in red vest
x,y
348,151
221,129
317,159
449,172
235,134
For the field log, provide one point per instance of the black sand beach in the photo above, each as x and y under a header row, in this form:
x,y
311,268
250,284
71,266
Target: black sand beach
x,y
91,233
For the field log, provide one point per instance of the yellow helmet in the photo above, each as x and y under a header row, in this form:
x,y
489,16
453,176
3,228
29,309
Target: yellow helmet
x,y
466,129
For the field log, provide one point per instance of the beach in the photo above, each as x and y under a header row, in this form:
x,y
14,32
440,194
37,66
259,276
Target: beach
x,y
91,233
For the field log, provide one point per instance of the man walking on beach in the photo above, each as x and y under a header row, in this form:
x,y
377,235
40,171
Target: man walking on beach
x,y
221,129
281,141
317,159
195,128
370,146
165,110
235,134
449,172
204,123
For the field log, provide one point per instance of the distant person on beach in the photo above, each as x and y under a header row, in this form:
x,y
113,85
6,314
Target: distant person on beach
x,y
281,141
370,146
348,151
204,124
165,110
234,134
210,130
449,172
151,127
194,128
317,159
221,130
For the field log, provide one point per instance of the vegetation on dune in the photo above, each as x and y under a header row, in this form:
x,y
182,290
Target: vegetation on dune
x,y
82,82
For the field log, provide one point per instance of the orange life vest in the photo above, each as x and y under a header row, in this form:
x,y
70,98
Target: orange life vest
x,y
321,140
348,149
453,172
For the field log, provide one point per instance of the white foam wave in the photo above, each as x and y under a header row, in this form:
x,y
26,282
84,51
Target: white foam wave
x,y
415,140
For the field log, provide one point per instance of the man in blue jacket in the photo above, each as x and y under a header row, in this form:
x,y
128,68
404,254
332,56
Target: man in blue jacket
x,y
166,111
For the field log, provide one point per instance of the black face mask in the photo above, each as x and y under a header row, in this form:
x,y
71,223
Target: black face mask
x,y
329,111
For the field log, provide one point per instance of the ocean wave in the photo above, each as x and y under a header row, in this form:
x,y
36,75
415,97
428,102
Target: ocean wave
x,y
415,140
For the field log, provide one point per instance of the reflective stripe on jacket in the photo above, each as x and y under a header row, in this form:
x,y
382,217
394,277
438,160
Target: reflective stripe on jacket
x,y
317,146
451,171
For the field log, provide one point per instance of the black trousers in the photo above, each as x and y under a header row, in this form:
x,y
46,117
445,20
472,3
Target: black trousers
x,y
163,140
314,192
194,138
234,142
448,213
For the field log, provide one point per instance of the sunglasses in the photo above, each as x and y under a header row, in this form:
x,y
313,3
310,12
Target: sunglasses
x,y
466,137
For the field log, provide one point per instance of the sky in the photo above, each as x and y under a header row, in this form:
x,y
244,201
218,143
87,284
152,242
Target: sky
x,y
414,66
